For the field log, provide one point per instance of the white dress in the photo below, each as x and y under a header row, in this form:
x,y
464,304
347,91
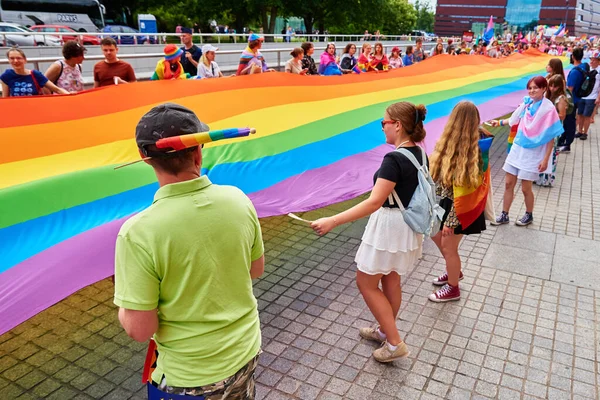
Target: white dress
x,y
388,244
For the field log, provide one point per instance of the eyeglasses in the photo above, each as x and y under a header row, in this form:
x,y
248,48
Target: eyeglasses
x,y
387,121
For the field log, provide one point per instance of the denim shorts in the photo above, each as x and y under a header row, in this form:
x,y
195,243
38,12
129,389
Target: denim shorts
x,y
586,107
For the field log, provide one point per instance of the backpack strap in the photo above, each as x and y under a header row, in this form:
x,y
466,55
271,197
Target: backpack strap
x,y
61,71
35,82
420,167
412,158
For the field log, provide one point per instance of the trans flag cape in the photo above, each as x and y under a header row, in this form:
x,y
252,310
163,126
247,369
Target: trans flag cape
x,y
469,203
538,123
318,142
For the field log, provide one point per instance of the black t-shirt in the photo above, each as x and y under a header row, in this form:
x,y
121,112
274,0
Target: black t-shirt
x,y
186,64
397,168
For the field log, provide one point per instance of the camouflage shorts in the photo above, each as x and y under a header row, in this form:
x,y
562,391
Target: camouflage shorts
x,y
237,387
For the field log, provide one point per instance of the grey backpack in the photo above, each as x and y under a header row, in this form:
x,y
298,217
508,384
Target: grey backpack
x,y
423,214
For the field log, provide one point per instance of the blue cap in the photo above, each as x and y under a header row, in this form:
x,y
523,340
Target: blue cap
x,y
186,30
254,37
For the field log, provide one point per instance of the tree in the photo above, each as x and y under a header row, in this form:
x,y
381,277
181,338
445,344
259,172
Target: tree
x,y
425,17
400,17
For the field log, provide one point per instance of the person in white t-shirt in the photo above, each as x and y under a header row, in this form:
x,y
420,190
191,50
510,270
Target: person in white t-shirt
x,y
553,51
207,67
587,105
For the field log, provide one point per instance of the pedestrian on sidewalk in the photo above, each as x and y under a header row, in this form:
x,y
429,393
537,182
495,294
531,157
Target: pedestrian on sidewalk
x,y
563,102
389,248
184,268
538,126
587,104
574,81
459,161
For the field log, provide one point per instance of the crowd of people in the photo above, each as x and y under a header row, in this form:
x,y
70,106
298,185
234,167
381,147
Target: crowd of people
x,y
190,61
208,335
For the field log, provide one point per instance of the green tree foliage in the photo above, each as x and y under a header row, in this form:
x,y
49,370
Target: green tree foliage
x,y
336,16
425,17
398,17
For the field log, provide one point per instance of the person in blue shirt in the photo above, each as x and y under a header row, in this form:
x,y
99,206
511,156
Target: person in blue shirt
x,y
574,81
20,81
408,58
191,53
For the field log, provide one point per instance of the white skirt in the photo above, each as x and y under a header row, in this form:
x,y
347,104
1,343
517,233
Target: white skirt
x,y
388,244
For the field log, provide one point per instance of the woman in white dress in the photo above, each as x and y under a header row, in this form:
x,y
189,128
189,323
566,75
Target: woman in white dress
x,y
389,247
539,124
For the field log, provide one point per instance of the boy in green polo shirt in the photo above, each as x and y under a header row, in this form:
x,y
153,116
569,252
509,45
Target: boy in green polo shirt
x,y
184,270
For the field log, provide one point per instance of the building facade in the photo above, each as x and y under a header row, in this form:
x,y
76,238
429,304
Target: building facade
x,y
455,16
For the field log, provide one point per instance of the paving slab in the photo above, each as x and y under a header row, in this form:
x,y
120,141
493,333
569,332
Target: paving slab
x,y
575,271
520,261
526,326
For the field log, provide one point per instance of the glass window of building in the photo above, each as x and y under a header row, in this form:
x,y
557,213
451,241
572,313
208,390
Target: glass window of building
x,y
523,12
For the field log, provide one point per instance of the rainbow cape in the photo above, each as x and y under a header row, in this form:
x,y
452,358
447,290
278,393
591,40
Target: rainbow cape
x,y
469,203
318,142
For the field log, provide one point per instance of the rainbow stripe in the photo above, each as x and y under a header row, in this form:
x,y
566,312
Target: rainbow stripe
x,y
318,142
196,139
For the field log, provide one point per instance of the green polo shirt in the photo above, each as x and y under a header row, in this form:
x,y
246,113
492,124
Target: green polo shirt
x,y
189,256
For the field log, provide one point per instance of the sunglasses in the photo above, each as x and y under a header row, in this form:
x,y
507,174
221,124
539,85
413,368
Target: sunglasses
x,y
385,122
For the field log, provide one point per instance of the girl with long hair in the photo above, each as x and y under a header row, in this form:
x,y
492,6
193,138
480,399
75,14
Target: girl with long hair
x,y
389,247
348,62
538,126
379,60
439,49
460,169
364,60
328,64
555,67
557,94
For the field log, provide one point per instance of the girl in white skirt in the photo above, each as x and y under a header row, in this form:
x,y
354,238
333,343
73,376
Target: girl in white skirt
x,y
389,248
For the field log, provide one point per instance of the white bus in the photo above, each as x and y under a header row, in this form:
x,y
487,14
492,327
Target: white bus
x,y
81,15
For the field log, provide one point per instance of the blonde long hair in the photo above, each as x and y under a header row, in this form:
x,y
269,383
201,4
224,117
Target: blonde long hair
x,y
456,159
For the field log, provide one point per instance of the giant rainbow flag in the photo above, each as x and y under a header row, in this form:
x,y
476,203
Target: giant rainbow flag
x,y
318,142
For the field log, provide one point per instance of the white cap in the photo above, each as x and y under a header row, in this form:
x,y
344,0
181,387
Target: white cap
x,y
208,47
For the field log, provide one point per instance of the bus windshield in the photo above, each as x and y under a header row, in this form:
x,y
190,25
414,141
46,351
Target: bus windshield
x,y
81,15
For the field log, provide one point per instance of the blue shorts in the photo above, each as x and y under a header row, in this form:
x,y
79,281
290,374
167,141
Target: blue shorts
x,y
586,107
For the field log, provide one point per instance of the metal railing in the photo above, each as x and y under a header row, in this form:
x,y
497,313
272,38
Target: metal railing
x,y
37,60
219,37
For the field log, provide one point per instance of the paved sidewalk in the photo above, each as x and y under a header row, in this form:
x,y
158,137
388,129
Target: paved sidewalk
x,y
527,326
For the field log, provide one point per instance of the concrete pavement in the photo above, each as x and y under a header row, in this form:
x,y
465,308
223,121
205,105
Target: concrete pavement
x,y
527,326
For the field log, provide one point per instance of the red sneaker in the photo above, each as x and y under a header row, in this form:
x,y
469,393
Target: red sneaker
x,y
443,279
446,293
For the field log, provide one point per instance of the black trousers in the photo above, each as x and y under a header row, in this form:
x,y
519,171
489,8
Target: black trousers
x,y
570,125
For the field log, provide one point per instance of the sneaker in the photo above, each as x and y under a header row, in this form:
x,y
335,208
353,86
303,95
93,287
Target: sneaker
x,y
371,333
578,135
446,293
443,279
501,219
384,354
583,136
525,219
564,149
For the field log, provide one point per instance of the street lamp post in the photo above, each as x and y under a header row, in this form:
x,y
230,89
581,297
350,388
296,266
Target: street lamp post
x,y
566,13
